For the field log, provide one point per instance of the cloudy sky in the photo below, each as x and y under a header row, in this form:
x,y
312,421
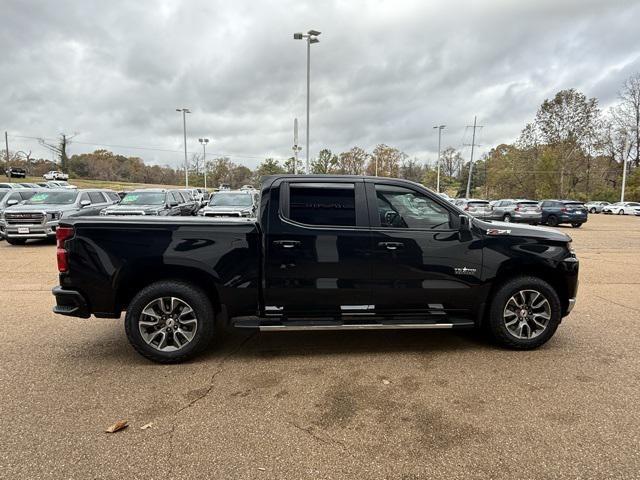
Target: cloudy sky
x,y
384,71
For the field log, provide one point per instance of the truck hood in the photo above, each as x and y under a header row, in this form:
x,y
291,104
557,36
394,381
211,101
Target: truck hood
x,y
44,207
224,209
521,230
128,208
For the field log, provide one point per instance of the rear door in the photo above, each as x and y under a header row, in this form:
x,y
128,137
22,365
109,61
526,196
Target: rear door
x,y
317,248
422,264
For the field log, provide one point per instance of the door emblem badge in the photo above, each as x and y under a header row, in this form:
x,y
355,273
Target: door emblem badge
x,y
465,271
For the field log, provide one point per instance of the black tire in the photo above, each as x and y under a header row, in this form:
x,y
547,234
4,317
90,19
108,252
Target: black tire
x,y
496,322
552,221
194,297
593,210
621,212
576,225
16,241
506,218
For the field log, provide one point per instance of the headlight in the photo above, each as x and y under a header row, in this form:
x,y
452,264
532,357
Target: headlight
x,y
55,215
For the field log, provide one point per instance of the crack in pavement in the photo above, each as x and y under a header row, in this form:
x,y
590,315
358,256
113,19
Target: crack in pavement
x,y
207,391
309,431
618,304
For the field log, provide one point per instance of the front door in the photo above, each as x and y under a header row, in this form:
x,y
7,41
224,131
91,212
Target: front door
x,y
421,263
317,249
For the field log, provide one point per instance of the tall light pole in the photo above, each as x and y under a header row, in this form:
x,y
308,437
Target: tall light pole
x,y
440,128
296,148
184,128
312,37
204,142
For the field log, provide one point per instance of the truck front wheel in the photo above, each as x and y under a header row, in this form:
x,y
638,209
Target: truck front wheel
x,y
170,321
524,314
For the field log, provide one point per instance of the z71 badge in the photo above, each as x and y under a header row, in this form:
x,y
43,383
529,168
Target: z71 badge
x,y
465,271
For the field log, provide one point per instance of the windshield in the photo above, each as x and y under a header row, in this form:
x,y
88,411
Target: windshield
x,y
478,204
529,204
574,204
143,198
231,200
52,198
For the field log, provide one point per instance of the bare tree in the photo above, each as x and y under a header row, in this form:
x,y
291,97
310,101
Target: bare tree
x,y
627,114
352,162
59,149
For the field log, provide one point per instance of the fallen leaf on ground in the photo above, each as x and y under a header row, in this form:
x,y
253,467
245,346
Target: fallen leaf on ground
x,y
119,425
148,425
386,382
262,469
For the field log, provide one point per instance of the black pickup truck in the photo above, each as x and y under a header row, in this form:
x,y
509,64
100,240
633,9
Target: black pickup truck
x,y
325,253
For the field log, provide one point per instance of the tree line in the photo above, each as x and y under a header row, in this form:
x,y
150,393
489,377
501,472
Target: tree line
x,y
570,149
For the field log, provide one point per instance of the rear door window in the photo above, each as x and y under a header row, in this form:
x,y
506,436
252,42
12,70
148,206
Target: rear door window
x,y
322,204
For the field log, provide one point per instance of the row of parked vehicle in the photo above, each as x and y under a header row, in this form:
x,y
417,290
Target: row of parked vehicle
x,y
34,213
550,212
49,184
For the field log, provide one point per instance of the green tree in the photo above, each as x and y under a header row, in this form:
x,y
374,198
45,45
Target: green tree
x,y
326,162
352,162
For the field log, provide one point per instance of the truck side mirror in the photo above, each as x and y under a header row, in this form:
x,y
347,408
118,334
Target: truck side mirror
x,y
85,203
465,223
12,202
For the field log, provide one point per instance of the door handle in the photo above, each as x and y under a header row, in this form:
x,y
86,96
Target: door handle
x,y
391,245
286,243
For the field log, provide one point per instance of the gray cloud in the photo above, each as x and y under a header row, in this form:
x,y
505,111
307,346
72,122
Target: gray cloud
x,y
383,72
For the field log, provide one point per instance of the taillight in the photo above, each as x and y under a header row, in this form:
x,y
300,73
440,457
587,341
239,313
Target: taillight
x,y
466,208
517,208
62,235
563,209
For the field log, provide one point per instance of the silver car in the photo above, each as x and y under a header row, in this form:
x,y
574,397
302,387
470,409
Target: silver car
x,y
232,203
521,211
38,217
596,207
9,198
475,207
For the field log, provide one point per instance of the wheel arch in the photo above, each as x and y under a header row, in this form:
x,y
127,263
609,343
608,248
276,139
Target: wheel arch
x,y
546,273
129,283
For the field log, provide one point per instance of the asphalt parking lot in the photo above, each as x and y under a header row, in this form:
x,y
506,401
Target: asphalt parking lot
x,y
405,405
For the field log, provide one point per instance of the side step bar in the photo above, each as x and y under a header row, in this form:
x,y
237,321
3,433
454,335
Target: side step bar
x,y
365,326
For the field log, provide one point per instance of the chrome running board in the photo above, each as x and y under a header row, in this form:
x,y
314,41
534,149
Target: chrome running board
x,y
365,326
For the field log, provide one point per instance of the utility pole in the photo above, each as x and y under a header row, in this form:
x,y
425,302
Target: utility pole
x,y
6,143
296,148
440,128
473,145
184,129
204,142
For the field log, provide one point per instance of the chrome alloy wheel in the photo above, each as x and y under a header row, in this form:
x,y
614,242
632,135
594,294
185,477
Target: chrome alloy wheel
x,y
527,314
167,324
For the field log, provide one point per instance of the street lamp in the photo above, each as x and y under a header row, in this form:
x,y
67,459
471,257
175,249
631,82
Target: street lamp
x,y
184,128
312,37
440,128
204,142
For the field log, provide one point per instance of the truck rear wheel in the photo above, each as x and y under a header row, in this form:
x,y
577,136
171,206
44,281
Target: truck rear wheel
x,y
170,321
524,314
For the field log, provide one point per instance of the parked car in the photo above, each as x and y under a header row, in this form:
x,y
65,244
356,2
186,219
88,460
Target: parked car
x,y
43,184
30,185
60,184
8,185
224,186
16,172
204,196
556,212
9,198
38,217
55,175
155,202
522,211
232,203
248,187
319,257
190,205
596,207
477,208
621,208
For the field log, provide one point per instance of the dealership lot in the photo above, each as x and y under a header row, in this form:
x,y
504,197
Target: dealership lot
x,y
405,405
